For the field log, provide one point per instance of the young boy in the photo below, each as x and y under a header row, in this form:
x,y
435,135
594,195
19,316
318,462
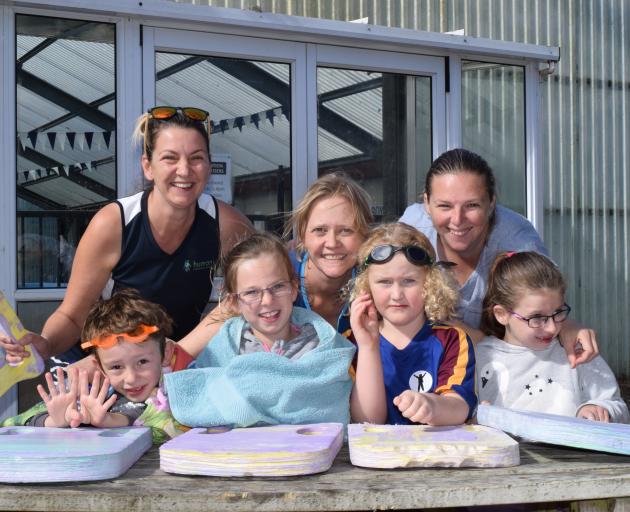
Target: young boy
x,y
127,336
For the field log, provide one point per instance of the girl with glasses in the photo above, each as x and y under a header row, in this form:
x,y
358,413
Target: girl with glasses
x,y
165,241
411,368
292,365
329,224
520,364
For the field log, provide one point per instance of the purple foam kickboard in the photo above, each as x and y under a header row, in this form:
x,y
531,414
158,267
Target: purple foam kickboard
x,y
279,450
41,454
558,430
406,446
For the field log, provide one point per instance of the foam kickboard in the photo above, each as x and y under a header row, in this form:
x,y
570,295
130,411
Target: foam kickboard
x,y
41,454
30,367
279,450
410,446
559,430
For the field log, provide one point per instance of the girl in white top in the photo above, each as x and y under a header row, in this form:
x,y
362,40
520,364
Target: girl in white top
x,y
521,364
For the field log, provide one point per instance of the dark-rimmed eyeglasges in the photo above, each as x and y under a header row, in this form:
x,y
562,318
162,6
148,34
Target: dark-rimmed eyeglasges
x,y
255,295
537,321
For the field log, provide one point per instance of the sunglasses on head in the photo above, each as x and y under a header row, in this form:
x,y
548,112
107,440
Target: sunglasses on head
x,y
163,113
384,253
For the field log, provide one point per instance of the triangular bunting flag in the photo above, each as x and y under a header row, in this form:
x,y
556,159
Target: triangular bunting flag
x,y
255,118
224,125
238,122
107,136
32,136
270,115
88,138
51,138
71,136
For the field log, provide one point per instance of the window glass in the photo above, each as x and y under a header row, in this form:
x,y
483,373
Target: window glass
x,y
376,127
493,125
250,108
66,132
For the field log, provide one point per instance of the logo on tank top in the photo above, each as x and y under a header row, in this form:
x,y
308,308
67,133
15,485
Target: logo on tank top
x,y
193,265
421,381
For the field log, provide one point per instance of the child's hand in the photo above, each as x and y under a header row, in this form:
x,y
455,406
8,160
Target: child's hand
x,y
364,321
61,403
16,351
594,412
94,407
416,407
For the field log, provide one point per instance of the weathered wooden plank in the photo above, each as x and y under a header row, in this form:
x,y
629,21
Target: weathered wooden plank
x,y
546,474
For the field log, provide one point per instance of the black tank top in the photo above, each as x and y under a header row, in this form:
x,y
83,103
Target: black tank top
x,y
182,281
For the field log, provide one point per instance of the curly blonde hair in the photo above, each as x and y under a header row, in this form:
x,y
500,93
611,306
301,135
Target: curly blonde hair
x,y
440,290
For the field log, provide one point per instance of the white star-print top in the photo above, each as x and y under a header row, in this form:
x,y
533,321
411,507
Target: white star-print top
x,y
542,380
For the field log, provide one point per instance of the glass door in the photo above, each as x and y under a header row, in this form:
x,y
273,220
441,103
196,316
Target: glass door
x,y
249,88
380,119
284,113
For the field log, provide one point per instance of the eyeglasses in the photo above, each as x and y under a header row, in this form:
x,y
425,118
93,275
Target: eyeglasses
x,y
537,321
255,295
164,113
383,253
138,335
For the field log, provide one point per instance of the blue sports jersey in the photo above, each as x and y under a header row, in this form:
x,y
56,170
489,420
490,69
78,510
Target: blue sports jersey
x,y
439,359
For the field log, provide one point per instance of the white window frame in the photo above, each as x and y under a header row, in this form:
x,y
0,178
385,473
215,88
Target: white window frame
x,y
248,48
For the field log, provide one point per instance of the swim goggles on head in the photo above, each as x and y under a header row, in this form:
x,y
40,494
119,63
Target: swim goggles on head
x,y
138,335
415,254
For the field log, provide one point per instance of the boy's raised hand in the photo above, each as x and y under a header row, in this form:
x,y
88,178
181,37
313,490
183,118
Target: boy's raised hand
x,y
93,401
364,321
61,403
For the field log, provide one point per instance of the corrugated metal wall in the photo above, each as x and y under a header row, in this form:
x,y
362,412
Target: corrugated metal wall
x,y
585,129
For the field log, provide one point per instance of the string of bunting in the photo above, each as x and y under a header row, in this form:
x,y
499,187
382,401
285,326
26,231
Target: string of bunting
x,y
59,140
102,140
240,121
60,170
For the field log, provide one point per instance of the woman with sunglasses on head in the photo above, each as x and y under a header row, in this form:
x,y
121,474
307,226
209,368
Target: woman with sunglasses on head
x,y
466,226
164,242
411,368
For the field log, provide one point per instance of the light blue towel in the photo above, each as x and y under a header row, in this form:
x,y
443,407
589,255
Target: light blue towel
x,y
264,388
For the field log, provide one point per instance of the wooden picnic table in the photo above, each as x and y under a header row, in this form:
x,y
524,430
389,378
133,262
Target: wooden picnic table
x,y
546,475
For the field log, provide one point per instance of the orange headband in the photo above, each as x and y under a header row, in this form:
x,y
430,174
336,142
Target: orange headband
x,y
108,341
